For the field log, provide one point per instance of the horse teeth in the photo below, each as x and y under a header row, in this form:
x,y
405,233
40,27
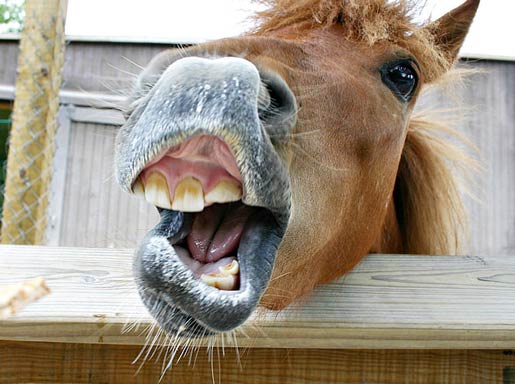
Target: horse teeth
x,y
156,191
188,196
224,283
225,191
138,189
226,279
231,269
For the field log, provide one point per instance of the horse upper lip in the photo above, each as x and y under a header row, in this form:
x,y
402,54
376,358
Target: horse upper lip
x,y
225,92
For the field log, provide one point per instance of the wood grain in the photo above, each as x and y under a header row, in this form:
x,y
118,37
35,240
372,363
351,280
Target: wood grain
x,y
388,301
78,363
482,109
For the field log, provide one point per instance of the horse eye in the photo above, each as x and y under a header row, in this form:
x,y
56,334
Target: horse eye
x,y
401,78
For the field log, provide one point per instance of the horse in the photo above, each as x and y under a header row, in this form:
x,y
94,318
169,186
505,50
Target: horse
x,y
280,158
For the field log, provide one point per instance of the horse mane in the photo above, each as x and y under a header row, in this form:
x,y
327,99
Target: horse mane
x,y
427,194
365,21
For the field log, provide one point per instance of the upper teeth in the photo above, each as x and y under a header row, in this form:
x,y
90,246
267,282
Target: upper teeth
x,y
156,191
224,192
138,189
188,195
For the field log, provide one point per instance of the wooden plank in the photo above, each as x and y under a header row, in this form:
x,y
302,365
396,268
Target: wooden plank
x,y
495,218
89,67
388,301
482,109
97,116
82,98
8,62
58,183
65,363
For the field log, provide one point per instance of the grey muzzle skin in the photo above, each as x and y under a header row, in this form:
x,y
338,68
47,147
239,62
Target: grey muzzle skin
x,y
219,97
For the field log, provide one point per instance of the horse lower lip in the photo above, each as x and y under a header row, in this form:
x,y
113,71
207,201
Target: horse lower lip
x,y
162,277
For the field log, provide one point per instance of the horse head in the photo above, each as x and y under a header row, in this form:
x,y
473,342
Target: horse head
x,y
280,158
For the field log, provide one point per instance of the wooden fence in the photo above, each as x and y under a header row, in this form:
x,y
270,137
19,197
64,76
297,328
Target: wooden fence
x,y
394,319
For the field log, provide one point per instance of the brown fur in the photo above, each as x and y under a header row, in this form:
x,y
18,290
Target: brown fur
x,y
369,22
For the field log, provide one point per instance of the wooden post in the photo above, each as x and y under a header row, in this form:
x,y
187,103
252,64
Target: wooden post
x,y
29,164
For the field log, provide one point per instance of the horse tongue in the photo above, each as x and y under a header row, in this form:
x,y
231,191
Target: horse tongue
x,y
216,231
203,229
227,237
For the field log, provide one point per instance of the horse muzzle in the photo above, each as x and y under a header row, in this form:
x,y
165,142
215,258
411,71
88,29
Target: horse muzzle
x,y
199,145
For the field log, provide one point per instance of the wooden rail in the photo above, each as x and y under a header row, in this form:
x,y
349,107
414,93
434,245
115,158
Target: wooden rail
x,y
391,313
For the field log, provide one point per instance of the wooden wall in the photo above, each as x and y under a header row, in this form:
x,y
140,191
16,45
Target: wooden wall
x,y
96,214
491,127
89,67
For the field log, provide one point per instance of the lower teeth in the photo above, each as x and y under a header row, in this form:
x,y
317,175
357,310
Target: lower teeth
x,y
225,279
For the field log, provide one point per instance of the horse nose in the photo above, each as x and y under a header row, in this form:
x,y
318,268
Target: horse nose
x,y
229,88
279,115
217,89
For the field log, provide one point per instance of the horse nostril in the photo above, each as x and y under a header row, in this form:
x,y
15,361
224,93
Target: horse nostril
x,y
264,99
276,105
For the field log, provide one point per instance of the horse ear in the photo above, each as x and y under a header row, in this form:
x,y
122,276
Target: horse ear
x,y
449,31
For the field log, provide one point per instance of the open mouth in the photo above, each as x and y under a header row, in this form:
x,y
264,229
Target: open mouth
x,y
200,177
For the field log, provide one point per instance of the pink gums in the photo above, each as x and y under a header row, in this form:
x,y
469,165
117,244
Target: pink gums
x,y
206,158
